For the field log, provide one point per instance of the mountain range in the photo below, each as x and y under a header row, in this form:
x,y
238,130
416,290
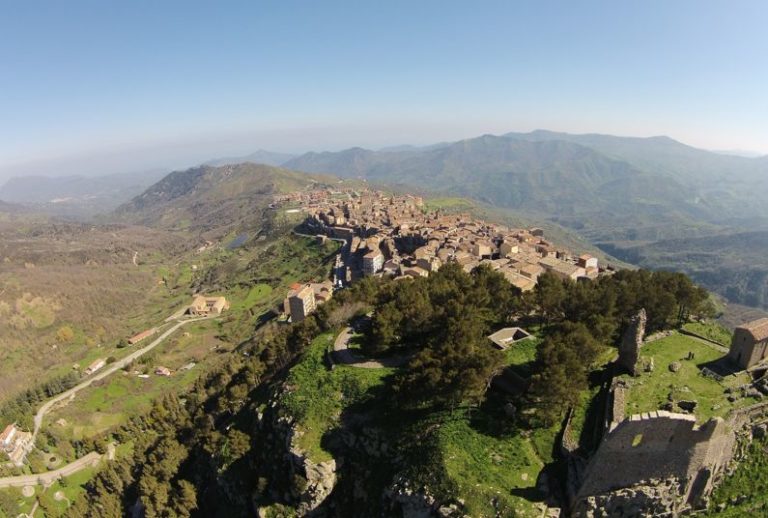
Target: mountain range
x,y
79,196
643,200
208,198
651,201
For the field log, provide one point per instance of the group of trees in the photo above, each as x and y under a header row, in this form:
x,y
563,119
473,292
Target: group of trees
x,y
22,408
204,454
580,319
194,456
442,321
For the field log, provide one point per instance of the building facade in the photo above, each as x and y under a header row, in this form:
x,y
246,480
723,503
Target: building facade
x,y
749,345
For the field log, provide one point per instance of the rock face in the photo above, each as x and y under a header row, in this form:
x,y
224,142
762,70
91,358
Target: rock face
x,y
304,483
409,502
629,350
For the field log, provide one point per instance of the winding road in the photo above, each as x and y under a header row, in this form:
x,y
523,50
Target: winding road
x,y
106,371
92,458
343,356
49,477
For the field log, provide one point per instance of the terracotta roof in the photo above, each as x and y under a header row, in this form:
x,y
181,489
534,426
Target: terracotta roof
x,y
757,328
7,433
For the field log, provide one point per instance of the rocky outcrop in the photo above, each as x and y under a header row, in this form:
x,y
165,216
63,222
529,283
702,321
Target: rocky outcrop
x,y
652,498
629,350
305,483
405,501
313,481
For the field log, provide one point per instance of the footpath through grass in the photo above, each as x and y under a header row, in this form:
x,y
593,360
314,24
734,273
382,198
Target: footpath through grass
x,y
710,330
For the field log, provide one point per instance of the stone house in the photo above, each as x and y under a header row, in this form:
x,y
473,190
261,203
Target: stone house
x,y
15,443
95,366
301,302
204,306
749,345
508,248
142,336
373,261
587,261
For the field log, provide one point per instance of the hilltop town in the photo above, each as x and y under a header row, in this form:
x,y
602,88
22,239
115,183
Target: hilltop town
x,y
396,236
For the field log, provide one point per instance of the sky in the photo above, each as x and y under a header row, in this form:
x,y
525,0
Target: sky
x,y
99,87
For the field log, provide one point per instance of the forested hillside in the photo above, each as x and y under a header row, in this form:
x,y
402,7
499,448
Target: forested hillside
x,y
275,428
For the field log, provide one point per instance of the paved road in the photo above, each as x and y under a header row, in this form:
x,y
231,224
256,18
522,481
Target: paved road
x,y
342,355
49,477
106,371
92,458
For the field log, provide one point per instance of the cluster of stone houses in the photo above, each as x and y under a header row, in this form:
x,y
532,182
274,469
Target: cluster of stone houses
x,y
15,443
396,236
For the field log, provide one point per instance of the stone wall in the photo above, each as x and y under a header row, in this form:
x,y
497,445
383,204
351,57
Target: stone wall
x,y
656,446
629,349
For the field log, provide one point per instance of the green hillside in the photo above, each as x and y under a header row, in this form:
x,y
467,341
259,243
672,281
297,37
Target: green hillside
x,y
218,199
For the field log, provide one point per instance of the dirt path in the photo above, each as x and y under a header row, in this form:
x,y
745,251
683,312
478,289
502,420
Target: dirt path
x,y
344,356
49,477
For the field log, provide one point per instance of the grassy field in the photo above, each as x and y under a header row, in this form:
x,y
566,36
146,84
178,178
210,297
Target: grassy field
x,y
711,330
649,391
318,395
68,489
522,354
745,492
487,467
107,403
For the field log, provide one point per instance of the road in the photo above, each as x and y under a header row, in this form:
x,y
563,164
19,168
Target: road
x,y
92,458
339,267
106,371
342,355
49,477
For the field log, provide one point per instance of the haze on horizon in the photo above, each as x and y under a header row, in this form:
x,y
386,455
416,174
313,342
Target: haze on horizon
x,y
93,88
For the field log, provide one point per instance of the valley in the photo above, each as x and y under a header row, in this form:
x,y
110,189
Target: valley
x,y
476,430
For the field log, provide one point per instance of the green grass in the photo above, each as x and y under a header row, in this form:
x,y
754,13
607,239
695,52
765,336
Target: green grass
x,y
485,467
255,295
450,204
317,395
522,352
107,403
649,391
711,330
748,485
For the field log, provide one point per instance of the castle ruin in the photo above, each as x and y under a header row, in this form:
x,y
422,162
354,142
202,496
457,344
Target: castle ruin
x,y
629,350
661,463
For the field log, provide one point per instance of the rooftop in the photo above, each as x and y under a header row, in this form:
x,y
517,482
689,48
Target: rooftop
x,y
757,328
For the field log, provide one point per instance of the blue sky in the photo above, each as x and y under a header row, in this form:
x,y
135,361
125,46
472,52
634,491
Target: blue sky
x,y
109,85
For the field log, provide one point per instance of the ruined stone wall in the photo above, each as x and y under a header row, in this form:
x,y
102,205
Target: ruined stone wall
x,y
629,349
659,446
